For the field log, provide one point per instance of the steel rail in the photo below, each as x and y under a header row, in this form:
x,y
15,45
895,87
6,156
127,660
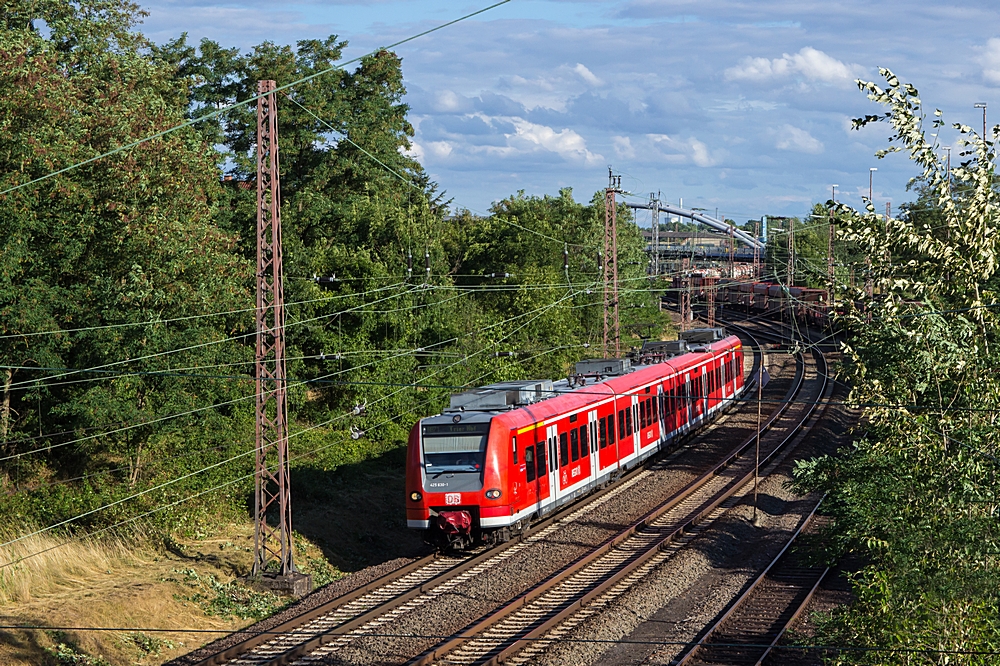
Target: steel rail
x,y
426,574
284,642
694,653
505,647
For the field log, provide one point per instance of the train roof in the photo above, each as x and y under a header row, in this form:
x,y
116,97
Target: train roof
x,y
521,403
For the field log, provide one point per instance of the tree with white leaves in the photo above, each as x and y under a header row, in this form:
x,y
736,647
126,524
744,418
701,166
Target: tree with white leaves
x,y
915,497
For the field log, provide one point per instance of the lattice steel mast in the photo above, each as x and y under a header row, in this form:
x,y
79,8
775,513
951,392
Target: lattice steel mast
x,y
654,208
612,323
273,545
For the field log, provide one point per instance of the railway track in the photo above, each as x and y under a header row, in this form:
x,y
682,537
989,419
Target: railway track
x,y
523,627
404,589
395,593
749,630
321,632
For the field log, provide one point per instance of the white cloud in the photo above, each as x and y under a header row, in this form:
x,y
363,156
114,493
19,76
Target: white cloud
x,y
439,148
447,101
990,60
623,147
566,143
416,151
684,150
809,63
587,75
798,140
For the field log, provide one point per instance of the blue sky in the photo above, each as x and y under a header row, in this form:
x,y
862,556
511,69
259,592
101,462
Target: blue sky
x,y
737,105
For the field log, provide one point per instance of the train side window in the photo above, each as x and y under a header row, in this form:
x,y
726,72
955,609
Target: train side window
x,y
656,408
628,422
529,462
602,432
642,413
514,448
563,450
621,422
611,429
540,460
574,444
584,442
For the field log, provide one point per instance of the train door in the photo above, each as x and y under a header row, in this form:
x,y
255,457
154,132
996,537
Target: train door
x,y
552,437
595,463
688,401
728,378
698,397
607,439
661,412
626,438
542,487
526,449
636,425
704,389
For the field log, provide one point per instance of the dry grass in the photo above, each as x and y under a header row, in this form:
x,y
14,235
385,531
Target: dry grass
x,y
60,565
114,582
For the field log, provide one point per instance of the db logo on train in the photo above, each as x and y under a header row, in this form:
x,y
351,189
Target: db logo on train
x,y
453,498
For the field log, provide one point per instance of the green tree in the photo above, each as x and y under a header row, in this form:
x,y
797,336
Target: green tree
x,y
125,239
915,498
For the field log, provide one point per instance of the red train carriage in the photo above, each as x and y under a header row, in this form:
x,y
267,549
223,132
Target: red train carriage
x,y
504,455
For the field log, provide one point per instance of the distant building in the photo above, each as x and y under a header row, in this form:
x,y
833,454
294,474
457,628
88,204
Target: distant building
x,y
688,238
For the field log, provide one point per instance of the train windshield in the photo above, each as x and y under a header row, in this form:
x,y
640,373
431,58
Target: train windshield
x,y
455,447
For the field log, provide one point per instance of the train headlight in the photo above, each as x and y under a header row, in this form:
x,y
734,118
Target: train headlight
x,y
493,493
415,496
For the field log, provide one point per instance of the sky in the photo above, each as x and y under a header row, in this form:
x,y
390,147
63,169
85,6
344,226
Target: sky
x,y
743,107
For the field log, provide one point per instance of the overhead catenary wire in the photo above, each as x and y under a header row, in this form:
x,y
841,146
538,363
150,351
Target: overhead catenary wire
x,y
409,181
540,311
171,320
359,308
210,343
465,359
102,369
226,109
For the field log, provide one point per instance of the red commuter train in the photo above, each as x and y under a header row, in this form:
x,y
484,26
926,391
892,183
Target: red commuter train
x,y
503,456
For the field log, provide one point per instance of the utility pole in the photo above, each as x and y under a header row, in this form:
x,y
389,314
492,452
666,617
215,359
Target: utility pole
x,y
273,563
790,267
791,252
888,213
948,151
732,251
612,323
831,274
654,207
756,251
982,105
709,284
684,298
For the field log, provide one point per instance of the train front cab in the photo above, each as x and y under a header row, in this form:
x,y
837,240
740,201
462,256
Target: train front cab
x,y
455,477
